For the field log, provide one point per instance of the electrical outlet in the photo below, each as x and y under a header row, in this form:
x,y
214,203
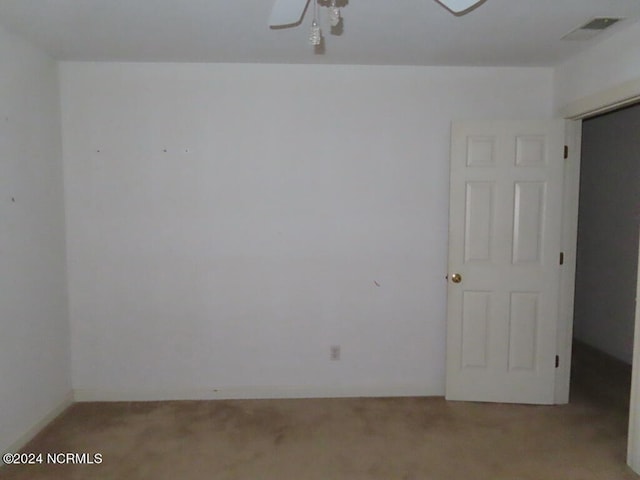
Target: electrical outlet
x,y
334,353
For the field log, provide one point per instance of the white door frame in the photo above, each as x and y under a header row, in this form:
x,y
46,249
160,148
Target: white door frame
x,y
604,101
573,140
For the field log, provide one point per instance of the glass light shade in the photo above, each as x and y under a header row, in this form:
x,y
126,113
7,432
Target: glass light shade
x,y
334,15
315,36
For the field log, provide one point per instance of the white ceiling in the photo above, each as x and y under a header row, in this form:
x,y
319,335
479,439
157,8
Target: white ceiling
x,y
376,32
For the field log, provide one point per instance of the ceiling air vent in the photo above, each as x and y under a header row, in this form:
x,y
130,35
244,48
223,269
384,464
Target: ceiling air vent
x,y
592,28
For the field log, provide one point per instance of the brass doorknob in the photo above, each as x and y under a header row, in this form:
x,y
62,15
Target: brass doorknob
x,y
456,278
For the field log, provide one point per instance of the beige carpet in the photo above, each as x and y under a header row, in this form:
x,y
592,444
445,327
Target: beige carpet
x,y
404,438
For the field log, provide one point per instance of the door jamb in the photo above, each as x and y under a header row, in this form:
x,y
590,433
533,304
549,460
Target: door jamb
x,y
606,100
633,442
571,190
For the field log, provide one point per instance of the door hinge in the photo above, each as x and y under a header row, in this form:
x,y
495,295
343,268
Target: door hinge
x,y
561,258
557,361
566,151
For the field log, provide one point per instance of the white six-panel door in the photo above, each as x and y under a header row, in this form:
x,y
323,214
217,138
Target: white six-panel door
x,y
504,246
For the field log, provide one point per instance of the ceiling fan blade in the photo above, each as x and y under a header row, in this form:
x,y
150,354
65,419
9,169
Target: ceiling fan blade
x,y
458,6
287,12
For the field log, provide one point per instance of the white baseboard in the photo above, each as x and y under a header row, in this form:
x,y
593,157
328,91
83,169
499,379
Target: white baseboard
x,y
39,426
252,392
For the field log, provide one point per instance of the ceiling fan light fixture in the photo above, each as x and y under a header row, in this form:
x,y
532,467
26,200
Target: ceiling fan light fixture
x,y
334,14
315,36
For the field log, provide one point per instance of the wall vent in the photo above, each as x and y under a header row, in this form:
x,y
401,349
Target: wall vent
x,y
592,28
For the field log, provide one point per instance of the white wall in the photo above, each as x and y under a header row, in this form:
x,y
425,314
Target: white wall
x,y
608,233
295,207
607,64
34,331
613,63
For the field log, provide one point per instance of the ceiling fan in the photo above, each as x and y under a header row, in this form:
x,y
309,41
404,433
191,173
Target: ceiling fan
x,y
288,13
